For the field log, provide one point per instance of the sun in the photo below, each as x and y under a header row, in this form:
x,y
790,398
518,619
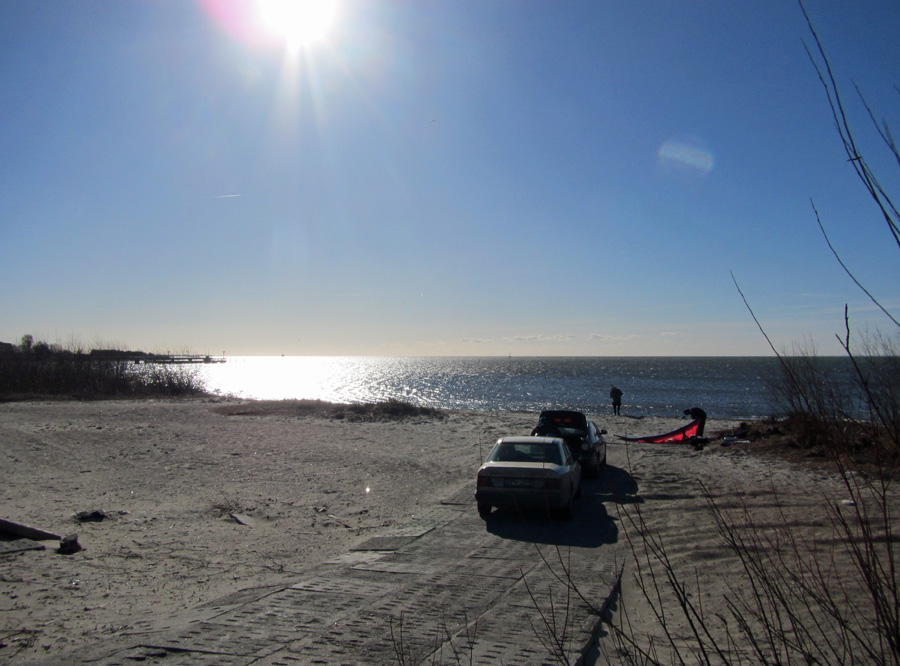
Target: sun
x,y
300,23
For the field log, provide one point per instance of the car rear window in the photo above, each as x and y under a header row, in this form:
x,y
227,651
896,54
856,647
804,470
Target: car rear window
x,y
527,452
568,425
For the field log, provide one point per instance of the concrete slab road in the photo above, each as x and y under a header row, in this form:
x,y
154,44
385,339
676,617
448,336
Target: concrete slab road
x,y
446,588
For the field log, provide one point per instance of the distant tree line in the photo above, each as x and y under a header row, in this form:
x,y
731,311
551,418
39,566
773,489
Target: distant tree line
x,y
37,368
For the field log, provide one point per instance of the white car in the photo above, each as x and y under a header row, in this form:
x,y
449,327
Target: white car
x,y
529,472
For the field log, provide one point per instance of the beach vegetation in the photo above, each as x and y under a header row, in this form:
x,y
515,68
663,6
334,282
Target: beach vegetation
x,y
38,369
822,592
385,410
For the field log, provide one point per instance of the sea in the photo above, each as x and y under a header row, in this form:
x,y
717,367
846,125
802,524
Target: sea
x,y
738,388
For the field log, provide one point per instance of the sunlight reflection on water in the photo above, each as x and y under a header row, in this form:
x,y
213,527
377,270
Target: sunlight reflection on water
x,y
725,387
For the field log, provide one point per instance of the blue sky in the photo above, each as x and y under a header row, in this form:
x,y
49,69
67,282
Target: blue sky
x,y
459,177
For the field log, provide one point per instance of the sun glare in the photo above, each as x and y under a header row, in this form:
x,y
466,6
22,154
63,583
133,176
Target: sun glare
x,y
300,23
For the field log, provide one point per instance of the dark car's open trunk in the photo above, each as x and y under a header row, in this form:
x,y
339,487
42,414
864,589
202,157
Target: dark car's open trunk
x,y
571,425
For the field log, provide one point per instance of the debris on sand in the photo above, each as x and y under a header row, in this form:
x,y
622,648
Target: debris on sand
x,y
95,516
68,545
243,519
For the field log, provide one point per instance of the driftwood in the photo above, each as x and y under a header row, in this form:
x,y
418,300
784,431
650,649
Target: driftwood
x,y
243,519
26,532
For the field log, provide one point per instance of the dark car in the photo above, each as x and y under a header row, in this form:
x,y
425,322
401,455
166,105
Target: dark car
x,y
583,437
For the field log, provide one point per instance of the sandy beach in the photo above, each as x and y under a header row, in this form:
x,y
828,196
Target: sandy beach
x,y
176,503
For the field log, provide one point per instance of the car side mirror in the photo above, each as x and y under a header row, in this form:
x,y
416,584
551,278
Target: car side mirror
x,y
603,432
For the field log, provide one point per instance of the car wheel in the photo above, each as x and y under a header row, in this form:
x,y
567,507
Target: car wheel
x,y
578,492
484,510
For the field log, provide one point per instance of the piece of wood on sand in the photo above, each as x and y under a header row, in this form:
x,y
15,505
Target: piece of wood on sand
x,y
243,519
26,532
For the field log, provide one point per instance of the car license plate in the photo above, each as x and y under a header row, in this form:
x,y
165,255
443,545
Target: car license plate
x,y
519,483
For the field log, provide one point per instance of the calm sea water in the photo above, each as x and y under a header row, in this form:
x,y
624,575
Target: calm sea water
x,y
728,388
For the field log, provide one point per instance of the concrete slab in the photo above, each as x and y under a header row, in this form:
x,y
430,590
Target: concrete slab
x,y
445,588
385,543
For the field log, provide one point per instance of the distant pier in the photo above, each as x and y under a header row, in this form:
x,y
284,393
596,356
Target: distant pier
x,y
144,357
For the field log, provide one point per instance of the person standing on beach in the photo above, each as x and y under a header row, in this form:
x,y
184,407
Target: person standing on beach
x,y
697,414
616,395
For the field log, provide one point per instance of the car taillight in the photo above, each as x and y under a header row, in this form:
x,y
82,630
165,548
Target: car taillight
x,y
484,481
553,484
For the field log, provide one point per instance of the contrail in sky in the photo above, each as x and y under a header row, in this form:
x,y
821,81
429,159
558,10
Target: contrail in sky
x,y
225,196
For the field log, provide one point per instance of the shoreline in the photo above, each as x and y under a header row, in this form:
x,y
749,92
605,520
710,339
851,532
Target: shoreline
x,y
304,407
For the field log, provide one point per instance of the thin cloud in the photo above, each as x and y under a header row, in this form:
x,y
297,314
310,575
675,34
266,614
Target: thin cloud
x,y
542,338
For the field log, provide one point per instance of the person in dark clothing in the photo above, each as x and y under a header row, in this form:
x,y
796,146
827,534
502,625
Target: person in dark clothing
x,y
616,395
545,429
697,414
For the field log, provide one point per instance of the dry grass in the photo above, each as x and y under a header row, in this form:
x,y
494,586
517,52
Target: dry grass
x,y
389,410
810,442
